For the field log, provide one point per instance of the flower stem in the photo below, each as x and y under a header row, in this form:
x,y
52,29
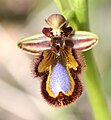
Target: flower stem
x,y
76,11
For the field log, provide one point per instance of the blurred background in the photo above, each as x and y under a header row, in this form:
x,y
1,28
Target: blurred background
x,y
20,97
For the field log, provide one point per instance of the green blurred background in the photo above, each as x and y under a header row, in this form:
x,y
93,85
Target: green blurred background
x,y
20,97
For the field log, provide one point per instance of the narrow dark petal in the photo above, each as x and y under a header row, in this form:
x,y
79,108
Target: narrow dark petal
x,y
47,31
67,31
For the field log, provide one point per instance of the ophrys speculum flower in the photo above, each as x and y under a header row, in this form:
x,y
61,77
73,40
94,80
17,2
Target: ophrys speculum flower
x,y
58,61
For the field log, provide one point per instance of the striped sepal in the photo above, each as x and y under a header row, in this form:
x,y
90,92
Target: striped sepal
x,y
83,40
35,44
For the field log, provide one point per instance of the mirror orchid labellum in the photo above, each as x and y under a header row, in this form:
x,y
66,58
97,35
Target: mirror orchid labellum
x,y
58,60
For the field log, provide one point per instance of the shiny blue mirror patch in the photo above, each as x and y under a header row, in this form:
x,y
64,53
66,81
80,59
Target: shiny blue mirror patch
x,y
59,80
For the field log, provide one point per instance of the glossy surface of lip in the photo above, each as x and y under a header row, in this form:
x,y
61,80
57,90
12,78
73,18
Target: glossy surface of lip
x,y
59,80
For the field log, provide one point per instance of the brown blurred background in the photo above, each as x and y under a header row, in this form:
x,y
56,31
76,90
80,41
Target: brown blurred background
x,y
20,97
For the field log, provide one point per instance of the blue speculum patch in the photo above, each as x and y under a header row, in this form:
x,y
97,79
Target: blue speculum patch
x,y
59,80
